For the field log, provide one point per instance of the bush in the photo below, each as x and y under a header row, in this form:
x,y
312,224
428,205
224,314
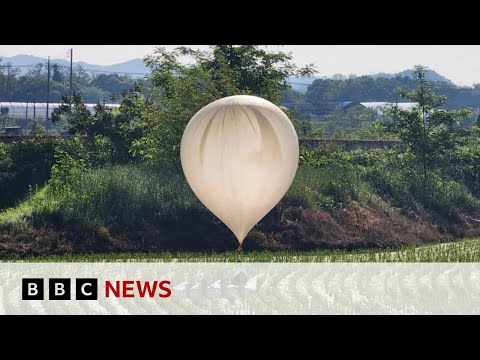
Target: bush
x,y
141,205
119,196
447,195
330,186
395,178
24,164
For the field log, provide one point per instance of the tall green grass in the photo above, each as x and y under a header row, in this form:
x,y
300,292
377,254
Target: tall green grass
x,y
394,177
117,195
334,186
123,195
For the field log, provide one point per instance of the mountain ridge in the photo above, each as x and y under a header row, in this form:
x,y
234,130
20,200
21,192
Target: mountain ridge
x,y
137,67
301,84
134,66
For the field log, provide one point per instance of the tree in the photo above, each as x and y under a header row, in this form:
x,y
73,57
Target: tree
x,y
307,129
107,133
114,84
8,81
5,120
429,132
3,117
343,121
36,129
370,88
33,85
303,128
179,90
57,74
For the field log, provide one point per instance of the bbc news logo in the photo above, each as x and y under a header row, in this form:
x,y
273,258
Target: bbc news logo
x,y
59,289
87,289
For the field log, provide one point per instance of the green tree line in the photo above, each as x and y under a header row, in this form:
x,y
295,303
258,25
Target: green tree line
x,y
31,85
368,88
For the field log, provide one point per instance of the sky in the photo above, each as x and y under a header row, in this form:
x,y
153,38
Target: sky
x,y
459,63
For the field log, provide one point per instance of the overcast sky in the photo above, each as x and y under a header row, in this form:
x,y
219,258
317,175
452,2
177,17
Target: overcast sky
x,y
460,63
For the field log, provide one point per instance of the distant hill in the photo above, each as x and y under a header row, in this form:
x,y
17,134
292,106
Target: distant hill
x,y
301,84
432,75
135,66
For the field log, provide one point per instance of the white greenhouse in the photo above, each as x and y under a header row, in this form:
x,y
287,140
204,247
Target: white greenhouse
x,y
22,110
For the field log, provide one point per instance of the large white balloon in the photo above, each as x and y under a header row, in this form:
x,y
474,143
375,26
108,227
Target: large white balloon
x,y
240,155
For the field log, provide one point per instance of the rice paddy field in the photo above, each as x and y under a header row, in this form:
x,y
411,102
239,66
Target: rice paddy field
x,y
459,251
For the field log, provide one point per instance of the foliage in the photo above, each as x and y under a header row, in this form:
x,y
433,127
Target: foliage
x,y
291,97
322,92
126,195
71,160
117,196
329,187
394,176
373,131
31,86
429,133
308,129
107,133
464,161
355,123
36,129
340,123
4,118
178,90
24,165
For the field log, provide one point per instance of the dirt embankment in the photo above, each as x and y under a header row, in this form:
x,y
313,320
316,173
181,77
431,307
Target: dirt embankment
x,y
374,226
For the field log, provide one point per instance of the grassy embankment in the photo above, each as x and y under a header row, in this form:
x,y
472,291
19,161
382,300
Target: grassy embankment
x,y
137,208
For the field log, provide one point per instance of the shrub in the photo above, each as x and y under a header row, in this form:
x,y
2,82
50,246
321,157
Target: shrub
x,y
393,176
330,186
119,196
23,164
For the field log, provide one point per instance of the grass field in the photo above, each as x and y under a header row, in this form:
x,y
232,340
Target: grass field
x,y
460,251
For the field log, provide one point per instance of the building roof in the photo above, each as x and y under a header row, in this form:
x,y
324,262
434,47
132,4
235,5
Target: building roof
x,y
382,104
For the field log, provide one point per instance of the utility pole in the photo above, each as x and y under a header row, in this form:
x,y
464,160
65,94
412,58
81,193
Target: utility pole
x,y
71,72
34,103
48,87
8,80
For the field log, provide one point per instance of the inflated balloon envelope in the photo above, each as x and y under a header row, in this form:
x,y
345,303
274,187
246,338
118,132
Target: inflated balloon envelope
x,y
240,155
